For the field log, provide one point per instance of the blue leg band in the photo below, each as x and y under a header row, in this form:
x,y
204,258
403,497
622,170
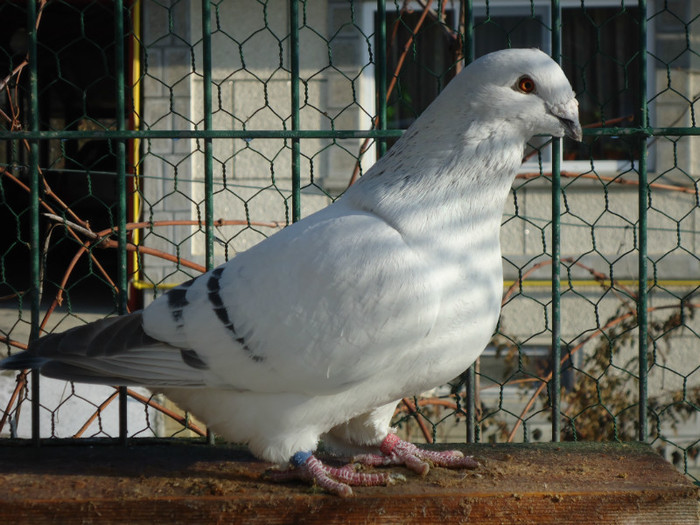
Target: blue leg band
x,y
300,458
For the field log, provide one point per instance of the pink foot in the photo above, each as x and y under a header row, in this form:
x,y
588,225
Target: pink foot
x,y
395,451
336,480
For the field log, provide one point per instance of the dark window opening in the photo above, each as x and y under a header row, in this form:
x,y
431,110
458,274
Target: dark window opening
x,y
599,55
428,66
76,87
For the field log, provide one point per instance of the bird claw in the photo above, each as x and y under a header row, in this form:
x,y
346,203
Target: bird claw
x,y
336,480
395,451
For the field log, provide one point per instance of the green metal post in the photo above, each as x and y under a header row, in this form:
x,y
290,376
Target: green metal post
x,y
471,372
380,73
296,146
208,149
468,50
642,317
208,124
146,134
555,384
35,250
120,144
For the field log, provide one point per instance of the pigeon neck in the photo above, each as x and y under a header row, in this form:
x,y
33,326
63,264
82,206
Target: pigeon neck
x,y
460,179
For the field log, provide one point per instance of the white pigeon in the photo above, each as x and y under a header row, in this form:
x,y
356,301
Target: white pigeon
x,y
316,332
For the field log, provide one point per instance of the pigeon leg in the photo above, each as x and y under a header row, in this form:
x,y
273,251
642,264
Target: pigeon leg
x,y
395,451
336,480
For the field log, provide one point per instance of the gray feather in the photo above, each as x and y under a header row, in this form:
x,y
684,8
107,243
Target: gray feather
x,y
111,351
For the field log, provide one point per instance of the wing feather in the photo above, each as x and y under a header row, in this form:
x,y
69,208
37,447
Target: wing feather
x,y
111,351
305,311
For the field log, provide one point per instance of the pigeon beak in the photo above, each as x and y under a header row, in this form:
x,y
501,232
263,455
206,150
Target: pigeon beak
x,y
572,129
568,116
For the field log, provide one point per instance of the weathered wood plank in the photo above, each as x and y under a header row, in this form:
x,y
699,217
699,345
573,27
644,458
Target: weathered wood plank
x,y
188,483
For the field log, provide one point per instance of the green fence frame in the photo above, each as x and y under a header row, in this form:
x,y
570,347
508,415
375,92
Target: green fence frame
x,y
121,135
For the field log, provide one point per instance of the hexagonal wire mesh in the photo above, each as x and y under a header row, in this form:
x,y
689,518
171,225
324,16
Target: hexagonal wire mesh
x,y
145,141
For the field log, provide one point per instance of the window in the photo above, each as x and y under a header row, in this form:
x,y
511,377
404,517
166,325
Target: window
x,y
604,70
76,69
524,362
603,66
428,68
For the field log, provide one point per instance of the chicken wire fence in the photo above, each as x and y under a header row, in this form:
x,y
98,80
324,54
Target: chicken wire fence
x,y
145,141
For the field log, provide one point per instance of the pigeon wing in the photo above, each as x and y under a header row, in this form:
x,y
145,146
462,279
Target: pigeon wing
x,y
110,351
320,306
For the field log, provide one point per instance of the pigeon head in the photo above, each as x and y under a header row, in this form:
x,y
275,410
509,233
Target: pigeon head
x,y
523,87
526,87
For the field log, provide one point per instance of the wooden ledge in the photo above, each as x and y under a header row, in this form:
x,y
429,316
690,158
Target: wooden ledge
x,y
566,483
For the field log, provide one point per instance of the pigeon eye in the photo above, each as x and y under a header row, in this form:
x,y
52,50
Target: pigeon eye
x,y
526,85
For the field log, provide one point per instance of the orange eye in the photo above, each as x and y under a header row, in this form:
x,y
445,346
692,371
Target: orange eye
x,y
526,84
